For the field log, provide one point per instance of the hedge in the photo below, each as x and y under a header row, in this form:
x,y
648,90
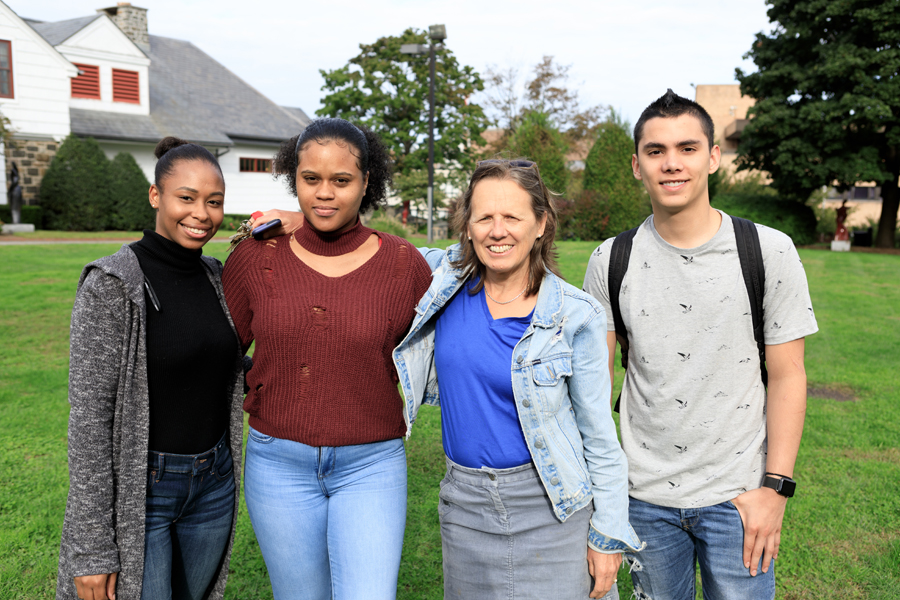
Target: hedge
x,y
30,214
793,218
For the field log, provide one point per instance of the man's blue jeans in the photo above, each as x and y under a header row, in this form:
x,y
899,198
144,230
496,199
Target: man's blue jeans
x,y
329,520
677,539
190,508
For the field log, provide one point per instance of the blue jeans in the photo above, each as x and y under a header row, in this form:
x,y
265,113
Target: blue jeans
x,y
329,520
190,510
678,538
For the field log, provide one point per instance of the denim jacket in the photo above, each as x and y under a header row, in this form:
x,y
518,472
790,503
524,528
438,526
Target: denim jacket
x,y
561,387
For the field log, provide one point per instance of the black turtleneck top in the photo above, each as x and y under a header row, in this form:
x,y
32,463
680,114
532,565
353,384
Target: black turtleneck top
x,y
190,349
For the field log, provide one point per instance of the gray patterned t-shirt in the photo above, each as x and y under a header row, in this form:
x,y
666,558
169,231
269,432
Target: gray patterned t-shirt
x,y
693,404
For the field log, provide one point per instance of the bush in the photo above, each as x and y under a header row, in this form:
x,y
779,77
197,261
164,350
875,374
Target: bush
x,y
232,222
129,190
793,218
537,139
613,201
30,214
75,191
588,217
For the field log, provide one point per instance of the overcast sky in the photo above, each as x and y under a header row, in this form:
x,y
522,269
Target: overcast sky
x,y
621,55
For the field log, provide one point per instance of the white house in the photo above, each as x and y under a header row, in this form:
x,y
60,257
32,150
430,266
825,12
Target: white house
x,y
104,76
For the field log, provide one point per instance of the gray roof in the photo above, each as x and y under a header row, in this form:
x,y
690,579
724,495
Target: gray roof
x,y
299,114
58,32
192,96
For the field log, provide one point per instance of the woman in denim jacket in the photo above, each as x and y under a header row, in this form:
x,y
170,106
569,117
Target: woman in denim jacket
x,y
534,503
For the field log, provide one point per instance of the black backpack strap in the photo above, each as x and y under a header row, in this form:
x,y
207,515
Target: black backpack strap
x,y
618,265
754,271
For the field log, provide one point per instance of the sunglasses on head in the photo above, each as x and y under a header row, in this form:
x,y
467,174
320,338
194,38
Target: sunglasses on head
x,y
524,164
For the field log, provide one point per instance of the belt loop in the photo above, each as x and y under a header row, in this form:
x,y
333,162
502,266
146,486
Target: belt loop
x,y
161,465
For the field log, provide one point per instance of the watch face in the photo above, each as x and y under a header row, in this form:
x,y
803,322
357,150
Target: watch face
x,y
787,487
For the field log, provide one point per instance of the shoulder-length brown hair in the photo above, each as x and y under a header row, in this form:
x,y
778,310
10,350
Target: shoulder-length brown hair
x,y
543,254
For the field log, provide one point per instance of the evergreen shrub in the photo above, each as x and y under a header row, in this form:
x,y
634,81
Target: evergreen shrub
x,y
129,192
613,201
75,191
536,139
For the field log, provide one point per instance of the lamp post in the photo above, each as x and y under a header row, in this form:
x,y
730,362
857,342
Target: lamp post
x,y
437,33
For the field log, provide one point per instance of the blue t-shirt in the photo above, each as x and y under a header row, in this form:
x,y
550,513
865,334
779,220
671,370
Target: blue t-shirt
x,y
473,357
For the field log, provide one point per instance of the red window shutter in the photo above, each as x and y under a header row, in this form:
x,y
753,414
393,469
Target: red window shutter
x,y
256,165
126,87
87,84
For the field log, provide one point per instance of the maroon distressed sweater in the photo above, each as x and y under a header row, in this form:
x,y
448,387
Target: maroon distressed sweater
x,y
322,368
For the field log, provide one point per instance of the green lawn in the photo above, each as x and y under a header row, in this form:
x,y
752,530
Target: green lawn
x,y
842,530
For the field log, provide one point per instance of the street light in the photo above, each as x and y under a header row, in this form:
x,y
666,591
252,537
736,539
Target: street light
x,y
437,33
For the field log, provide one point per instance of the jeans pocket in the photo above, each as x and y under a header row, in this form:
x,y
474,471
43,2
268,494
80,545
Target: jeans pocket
x,y
445,498
225,469
258,437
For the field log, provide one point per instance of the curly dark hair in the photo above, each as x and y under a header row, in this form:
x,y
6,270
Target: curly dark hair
x,y
171,150
371,154
543,254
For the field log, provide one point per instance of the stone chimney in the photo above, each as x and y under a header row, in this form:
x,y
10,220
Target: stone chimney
x,y
132,20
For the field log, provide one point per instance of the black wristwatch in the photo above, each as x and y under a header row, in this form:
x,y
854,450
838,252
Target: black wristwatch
x,y
784,486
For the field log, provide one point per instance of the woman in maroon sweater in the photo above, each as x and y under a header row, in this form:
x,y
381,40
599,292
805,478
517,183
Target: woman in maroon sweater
x,y
325,479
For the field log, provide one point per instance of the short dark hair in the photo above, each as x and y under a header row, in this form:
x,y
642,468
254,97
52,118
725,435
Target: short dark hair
x,y
543,253
171,150
669,106
372,156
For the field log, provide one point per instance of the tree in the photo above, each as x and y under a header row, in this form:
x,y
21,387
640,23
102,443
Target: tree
x,y
75,191
131,210
828,100
388,92
610,185
537,139
547,92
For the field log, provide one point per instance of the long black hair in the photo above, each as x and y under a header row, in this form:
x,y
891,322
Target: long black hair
x,y
372,156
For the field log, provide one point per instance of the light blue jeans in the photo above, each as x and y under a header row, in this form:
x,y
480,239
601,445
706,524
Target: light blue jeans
x,y
329,520
677,539
190,510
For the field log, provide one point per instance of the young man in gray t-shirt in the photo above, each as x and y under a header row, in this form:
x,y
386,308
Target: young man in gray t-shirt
x,y
707,446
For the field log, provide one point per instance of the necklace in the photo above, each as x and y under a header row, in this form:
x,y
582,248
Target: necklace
x,y
508,301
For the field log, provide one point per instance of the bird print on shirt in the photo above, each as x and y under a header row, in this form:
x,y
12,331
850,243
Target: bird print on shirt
x,y
687,259
684,357
686,308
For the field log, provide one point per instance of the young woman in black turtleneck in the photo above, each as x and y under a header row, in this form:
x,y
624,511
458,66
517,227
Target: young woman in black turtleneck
x,y
156,387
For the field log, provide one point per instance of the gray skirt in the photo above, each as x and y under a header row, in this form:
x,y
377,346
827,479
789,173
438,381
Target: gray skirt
x,y
501,539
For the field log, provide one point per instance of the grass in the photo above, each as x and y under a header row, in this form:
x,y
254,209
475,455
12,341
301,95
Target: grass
x,y
842,530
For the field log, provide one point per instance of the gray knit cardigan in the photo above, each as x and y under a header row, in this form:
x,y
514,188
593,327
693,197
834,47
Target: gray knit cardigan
x,y
103,531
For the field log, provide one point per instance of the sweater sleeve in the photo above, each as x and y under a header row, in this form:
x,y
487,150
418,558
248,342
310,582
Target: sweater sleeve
x,y
234,278
96,351
421,274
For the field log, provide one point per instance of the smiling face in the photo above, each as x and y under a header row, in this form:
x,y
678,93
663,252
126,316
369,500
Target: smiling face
x,y
330,186
190,203
503,227
674,161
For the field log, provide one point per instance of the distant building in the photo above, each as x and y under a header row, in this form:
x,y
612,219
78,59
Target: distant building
x,y
104,76
728,109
